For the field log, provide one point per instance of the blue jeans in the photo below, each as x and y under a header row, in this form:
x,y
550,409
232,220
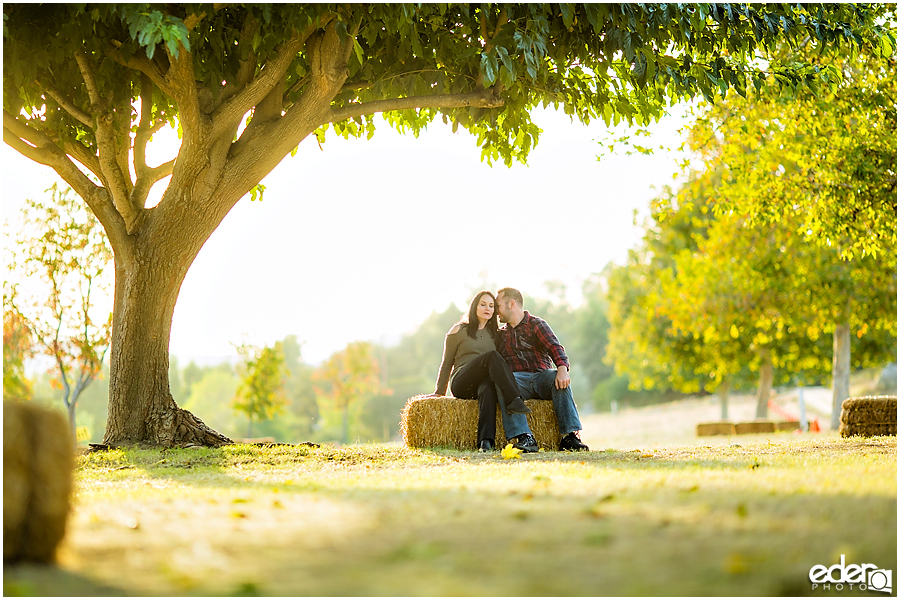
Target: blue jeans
x,y
542,385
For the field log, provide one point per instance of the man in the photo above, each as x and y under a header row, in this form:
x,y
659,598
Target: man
x,y
532,350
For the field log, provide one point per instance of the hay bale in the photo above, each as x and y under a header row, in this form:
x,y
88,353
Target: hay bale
x,y
447,422
718,428
787,425
754,427
869,416
38,462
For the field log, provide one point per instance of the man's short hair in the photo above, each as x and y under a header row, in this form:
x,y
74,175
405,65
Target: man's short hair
x,y
512,294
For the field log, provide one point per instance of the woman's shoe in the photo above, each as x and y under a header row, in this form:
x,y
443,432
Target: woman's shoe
x,y
486,446
517,407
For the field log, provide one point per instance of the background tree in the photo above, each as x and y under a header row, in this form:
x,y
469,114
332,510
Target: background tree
x,y
246,84
299,390
825,163
349,376
17,347
63,253
738,293
260,394
826,157
644,344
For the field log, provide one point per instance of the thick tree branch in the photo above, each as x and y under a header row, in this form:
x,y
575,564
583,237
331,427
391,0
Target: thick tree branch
x,y
143,133
67,105
83,155
479,99
38,147
90,83
142,64
163,170
122,140
111,155
272,74
246,68
146,180
180,80
113,178
146,176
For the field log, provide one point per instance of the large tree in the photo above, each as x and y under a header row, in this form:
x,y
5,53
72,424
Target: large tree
x,y
86,86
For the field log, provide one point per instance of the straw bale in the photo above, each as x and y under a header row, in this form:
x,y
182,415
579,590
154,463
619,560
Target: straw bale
x,y
754,427
447,422
787,425
38,463
869,416
718,428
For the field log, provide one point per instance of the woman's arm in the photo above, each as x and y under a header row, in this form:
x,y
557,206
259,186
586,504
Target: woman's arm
x,y
451,343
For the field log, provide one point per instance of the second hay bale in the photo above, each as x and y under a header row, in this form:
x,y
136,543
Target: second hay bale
x,y
869,416
38,461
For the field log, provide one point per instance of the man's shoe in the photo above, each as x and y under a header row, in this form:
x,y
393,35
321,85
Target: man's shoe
x,y
526,443
517,407
572,443
486,446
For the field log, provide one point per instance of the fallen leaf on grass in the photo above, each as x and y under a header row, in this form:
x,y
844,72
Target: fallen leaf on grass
x,y
510,452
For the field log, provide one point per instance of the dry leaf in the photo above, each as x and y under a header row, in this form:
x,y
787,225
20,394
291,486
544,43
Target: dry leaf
x,y
510,452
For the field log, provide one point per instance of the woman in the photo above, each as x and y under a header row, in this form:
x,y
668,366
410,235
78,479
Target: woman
x,y
473,367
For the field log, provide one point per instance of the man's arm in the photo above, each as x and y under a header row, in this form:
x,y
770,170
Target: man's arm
x,y
562,377
551,345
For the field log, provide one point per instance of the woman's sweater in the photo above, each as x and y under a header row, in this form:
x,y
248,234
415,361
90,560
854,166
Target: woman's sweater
x,y
459,349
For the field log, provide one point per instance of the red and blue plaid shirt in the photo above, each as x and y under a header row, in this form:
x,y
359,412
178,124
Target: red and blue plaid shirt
x,y
531,346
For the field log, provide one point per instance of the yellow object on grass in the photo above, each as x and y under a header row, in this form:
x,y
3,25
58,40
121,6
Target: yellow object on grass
x,y
510,452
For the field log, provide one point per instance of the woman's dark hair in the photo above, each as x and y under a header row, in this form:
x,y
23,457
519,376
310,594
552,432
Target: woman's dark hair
x,y
470,321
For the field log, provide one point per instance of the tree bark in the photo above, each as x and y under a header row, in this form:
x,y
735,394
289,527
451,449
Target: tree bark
x,y
149,273
840,373
766,378
70,409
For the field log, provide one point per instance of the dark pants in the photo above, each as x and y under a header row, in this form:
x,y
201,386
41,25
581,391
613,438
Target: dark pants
x,y
480,378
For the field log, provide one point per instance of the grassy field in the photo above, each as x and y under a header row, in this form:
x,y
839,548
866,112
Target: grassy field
x,y
724,517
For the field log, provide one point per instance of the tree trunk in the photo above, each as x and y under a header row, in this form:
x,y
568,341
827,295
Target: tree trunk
x,y
766,377
723,391
840,373
70,408
141,407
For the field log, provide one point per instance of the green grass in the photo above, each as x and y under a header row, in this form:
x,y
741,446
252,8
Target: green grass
x,y
725,520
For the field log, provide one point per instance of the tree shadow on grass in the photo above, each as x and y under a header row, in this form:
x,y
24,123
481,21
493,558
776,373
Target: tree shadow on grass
x,y
575,531
26,579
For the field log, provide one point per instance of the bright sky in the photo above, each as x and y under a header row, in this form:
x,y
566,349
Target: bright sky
x,y
362,240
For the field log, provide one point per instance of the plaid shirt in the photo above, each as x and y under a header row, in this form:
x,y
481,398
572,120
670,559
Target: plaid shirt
x,y
531,346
